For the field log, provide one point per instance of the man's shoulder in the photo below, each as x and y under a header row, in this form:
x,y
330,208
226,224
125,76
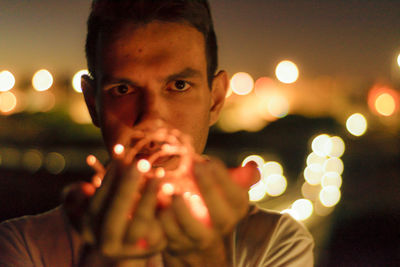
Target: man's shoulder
x,y
36,237
269,237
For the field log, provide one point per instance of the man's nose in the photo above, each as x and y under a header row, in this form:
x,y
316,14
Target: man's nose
x,y
151,111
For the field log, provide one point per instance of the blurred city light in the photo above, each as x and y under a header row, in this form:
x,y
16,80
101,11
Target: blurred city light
x,y
42,80
329,196
398,60
271,167
287,72
54,162
385,104
356,124
322,145
313,174
278,106
338,147
331,179
32,160
242,83
333,165
76,80
383,100
8,102
256,158
304,208
275,184
7,81
262,85
314,158
258,191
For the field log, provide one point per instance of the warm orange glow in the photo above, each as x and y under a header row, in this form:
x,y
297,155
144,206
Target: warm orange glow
x,y
91,160
262,85
383,101
8,102
287,72
242,83
356,124
96,181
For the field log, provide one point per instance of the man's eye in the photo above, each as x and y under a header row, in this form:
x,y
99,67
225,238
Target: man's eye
x,y
180,85
121,90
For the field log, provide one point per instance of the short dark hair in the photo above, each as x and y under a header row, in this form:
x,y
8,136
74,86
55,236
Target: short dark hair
x,y
108,14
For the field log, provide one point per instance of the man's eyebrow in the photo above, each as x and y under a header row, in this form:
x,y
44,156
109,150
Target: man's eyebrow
x,y
185,73
107,80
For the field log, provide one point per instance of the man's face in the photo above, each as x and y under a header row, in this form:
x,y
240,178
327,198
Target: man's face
x,y
155,72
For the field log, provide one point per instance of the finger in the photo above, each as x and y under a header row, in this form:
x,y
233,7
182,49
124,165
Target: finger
x,y
220,210
245,176
117,213
177,240
198,232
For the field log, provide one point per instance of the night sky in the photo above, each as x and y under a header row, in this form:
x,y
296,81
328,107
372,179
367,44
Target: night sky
x,y
352,38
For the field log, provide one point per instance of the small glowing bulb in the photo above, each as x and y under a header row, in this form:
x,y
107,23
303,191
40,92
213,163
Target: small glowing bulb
x,y
275,185
160,172
91,160
119,149
242,83
143,165
287,72
76,80
271,167
168,189
356,124
7,81
96,181
42,80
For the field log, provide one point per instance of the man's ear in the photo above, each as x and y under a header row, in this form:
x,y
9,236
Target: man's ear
x,y
89,92
219,88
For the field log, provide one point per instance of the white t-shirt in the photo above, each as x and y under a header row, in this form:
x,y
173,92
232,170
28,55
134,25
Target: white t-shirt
x,y
263,238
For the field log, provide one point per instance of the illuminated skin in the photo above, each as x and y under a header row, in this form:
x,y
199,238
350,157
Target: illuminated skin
x,y
147,75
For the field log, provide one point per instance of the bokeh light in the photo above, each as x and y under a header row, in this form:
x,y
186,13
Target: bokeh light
x,y
314,158
76,80
275,184
262,85
322,145
32,160
356,124
333,165
79,113
385,104
398,60
310,192
143,165
242,83
278,106
7,81
329,196
54,162
8,102
313,174
271,167
42,80
304,208
338,147
119,149
256,158
257,191
287,72
331,179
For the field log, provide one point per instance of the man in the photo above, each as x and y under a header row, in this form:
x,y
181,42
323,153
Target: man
x,y
154,63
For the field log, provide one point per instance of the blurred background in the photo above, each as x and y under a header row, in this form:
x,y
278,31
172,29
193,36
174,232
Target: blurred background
x,y
314,100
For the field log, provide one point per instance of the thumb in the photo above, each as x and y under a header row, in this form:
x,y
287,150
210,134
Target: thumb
x,y
245,176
